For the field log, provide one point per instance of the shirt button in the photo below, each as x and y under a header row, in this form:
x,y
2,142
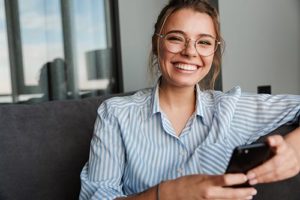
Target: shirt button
x,y
180,171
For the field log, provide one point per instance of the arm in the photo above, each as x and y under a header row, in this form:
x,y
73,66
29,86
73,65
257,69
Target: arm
x,y
198,187
150,194
293,139
101,176
258,115
262,114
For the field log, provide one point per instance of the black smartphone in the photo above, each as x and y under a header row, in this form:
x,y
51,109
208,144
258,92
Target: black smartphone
x,y
247,157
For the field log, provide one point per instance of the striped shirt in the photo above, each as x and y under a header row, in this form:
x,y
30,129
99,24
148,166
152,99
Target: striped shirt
x,y
134,146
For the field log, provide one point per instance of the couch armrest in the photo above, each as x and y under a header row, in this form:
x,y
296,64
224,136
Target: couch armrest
x,y
287,189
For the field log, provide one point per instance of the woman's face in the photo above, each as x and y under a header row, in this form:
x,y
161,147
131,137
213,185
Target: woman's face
x,y
185,68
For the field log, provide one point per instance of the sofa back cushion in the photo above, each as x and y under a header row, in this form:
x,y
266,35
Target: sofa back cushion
x,y
43,148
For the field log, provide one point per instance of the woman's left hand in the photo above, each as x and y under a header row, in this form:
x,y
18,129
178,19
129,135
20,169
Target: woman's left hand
x,y
284,164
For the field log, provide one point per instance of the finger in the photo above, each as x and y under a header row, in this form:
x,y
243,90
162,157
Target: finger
x,y
275,141
229,179
268,166
283,167
284,164
280,150
229,193
271,167
271,177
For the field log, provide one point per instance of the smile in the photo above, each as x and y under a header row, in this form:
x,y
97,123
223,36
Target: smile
x,y
187,67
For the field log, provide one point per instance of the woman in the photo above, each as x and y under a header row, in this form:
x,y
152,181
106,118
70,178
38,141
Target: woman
x,y
174,141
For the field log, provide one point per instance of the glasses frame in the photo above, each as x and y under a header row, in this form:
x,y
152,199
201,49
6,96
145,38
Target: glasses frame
x,y
187,40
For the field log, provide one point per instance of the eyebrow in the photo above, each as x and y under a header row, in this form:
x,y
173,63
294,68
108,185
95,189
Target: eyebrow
x,y
181,32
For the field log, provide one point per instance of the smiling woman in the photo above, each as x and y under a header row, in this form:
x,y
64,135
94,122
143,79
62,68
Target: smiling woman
x,y
174,140
201,25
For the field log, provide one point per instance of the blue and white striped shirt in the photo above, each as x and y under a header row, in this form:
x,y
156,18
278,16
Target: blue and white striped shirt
x,y
135,147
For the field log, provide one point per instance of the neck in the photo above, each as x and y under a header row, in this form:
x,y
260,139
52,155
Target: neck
x,y
177,97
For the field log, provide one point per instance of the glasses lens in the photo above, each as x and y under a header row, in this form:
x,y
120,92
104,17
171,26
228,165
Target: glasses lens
x,y
174,42
206,45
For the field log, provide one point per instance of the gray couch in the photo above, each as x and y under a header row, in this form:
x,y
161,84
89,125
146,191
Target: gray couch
x,y
43,148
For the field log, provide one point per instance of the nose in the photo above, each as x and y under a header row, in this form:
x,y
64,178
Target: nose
x,y
190,48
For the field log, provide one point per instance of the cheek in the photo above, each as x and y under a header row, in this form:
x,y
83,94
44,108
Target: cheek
x,y
208,61
164,56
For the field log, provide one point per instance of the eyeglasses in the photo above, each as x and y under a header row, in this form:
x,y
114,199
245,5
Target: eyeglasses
x,y
175,42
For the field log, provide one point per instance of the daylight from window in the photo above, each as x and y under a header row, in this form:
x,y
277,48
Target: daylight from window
x,y
5,84
42,40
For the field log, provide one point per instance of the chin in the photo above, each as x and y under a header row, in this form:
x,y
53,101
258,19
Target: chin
x,y
185,83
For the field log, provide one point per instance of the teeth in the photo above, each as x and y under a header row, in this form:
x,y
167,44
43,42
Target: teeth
x,y
186,67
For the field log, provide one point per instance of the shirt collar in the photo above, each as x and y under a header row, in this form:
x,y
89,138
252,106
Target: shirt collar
x,y
199,104
155,108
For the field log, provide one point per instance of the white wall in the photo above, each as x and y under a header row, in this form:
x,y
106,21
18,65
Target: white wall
x,y
263,44
137,18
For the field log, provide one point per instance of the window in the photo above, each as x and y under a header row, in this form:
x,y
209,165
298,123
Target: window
x,y
5,86
58,49
93,35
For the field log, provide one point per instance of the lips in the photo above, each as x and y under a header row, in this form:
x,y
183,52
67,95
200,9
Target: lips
x,y
187,67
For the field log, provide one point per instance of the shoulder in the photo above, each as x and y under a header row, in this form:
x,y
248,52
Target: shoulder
x,y
216,97
118,104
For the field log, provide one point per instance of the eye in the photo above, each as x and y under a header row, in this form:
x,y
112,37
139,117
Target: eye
x,y
203,42
175,38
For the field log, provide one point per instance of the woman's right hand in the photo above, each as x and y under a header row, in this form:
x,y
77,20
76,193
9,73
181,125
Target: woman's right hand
x,y
208,187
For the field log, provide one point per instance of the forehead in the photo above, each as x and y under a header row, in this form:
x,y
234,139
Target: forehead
x,y
191,22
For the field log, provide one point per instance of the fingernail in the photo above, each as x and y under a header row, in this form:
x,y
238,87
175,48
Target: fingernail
x,y
245,178
251,175
272,141
249,198
254,192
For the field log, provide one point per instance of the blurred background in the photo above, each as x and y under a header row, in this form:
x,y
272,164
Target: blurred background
x,y
58,49
71,49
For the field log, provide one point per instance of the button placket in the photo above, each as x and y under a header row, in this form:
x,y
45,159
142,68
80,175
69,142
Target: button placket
x,y
182,158
180,171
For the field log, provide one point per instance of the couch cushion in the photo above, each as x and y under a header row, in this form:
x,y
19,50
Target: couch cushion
x,y
43,148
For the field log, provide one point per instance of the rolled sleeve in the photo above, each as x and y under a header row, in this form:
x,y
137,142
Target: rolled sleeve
x,y
97,190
